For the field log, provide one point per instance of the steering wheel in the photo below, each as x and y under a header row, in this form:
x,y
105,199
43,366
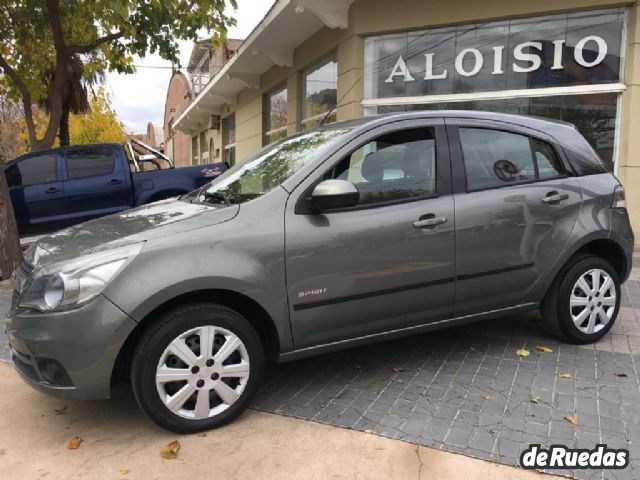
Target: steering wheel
x,y
505,170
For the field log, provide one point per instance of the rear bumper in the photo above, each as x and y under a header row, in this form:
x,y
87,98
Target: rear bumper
x,y
69,354
622,233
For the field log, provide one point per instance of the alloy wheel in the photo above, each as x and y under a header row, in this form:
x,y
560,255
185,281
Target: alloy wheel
x,y
202,372
593,301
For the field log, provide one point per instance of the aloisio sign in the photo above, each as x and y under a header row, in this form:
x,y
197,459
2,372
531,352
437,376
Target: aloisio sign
x,y
527,58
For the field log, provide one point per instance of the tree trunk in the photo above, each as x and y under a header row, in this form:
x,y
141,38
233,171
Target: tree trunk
x,y
63,133
10,251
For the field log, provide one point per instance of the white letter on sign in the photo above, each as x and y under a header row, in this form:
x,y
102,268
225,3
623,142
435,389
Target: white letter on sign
x,y
578,53
400,68
477,58
519,55
429,75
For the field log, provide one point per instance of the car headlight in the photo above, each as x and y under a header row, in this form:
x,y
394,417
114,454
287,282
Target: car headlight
x,y
67,285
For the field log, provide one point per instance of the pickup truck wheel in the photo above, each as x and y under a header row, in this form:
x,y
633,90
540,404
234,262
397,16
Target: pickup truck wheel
x,y
583,303
198,368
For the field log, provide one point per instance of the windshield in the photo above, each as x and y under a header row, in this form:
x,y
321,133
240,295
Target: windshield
x,y
267,170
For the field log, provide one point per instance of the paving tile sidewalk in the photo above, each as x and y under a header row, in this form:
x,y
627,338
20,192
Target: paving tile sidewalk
x,y
465,390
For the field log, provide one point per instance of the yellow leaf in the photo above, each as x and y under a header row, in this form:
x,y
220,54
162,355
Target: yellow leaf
x,y
74,443
565,375
124,471
572,419
170,450
523,352
544,348
534,399
397,369
486,397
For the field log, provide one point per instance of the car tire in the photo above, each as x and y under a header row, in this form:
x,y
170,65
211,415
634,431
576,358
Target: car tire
x,y
576,311
185,389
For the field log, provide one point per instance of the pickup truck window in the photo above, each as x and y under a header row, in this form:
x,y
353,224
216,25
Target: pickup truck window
x,y
268,169
32,171
88,162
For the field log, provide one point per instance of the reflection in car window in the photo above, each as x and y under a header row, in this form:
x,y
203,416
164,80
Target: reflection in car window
x,y
88,162
494,158
33,171
549,165
268,169
396,166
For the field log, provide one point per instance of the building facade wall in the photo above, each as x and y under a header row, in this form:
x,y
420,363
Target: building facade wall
x,y
177,144
376,17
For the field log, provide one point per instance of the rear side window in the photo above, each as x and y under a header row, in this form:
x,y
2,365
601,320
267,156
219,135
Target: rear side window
x,y
33,171
549,165
396,166
494,158
89,162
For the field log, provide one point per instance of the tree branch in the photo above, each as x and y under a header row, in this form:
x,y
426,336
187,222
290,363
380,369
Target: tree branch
x,y
93,45
26,97
56,25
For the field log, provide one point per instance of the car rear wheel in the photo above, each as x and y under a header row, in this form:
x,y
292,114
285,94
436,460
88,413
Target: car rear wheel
x,y
198,368
583,303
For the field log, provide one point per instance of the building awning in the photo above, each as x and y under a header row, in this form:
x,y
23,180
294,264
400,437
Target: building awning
x,y
272,42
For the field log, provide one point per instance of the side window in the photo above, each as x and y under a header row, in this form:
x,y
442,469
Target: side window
x,y
89,162
493,158
396,166
32,171
549,164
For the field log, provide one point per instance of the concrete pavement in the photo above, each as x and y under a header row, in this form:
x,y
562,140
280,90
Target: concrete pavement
x,y
120,443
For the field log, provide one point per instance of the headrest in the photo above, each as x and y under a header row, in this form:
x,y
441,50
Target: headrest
x,y
375,164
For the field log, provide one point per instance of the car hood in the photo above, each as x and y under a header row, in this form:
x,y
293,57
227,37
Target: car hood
x,y
140,224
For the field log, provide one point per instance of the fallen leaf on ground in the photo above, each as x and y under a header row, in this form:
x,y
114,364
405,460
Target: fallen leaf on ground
x,y
62,410
170,450
565,375
124,471
621,375
522,352
397,369
74,443
534,399
572,419
368,431
544,348
486,397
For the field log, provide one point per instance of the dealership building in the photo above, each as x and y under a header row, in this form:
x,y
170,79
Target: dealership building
x,y
313,61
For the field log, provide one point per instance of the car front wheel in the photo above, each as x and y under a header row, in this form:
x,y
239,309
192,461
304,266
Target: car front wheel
x,y
583,305
198,368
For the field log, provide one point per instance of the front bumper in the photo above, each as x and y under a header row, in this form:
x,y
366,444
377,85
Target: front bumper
x,y
70,353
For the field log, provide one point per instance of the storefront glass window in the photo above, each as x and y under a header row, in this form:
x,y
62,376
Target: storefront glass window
x,y
319,94
560,50
275,116
593,115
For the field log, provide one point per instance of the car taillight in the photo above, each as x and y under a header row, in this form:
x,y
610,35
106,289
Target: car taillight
x,y
619,200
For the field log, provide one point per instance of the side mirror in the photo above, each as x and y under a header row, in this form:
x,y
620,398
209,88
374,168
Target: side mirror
x,y
330,194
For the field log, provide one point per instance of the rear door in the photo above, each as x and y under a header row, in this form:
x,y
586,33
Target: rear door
x,y
387,263
516,205
37,193
96,183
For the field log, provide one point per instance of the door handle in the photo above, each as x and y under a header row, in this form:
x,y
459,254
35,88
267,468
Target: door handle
x,y
429,221
52,190
114,181
555,197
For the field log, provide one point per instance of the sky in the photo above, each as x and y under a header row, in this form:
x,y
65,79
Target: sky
x,y
139,98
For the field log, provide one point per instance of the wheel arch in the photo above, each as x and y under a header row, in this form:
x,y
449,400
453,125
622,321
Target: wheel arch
x,y
246,306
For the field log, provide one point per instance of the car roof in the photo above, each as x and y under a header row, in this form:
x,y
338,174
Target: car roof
x,y
61,149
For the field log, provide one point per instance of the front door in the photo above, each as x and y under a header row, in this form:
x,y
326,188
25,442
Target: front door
x,y
387,263
514,213
96,184
37,194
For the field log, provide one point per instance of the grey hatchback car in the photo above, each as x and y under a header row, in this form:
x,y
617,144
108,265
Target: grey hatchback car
x,y
340,236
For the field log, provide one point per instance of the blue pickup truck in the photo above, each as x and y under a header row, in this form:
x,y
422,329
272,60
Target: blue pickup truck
x,y
55,188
